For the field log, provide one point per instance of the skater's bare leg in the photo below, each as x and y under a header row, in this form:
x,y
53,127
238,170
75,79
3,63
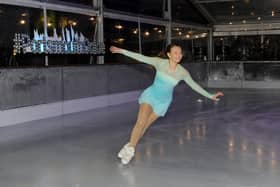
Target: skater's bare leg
x,y
140,126
152,118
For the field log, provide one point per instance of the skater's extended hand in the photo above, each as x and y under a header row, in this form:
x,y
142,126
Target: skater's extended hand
x,y
218,94
114,49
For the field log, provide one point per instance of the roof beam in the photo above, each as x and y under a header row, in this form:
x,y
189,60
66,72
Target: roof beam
x,y
126,16
203,11
52,6
214,1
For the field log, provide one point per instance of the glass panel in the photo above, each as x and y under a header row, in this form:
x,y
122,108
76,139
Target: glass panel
x,y
151,8
81,24
271,49
262,72
81,2
245,48
153,38
228,71
194,43
123,34
14,19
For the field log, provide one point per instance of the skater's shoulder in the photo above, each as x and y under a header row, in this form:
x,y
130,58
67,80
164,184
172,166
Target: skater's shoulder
x,y
182,70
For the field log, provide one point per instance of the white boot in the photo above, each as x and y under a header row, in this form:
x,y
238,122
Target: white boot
x,y
123,150
128,154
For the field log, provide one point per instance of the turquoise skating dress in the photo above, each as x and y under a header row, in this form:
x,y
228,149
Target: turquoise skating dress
x,y
159,95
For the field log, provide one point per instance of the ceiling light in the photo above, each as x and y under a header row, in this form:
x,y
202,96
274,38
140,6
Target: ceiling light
x,y
146,33
119,40
135,31
24,14
203,35
22,22
118,26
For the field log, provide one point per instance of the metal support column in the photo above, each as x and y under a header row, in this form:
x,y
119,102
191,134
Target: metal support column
x,y
167,14
210,46
46,31
98,4
139,36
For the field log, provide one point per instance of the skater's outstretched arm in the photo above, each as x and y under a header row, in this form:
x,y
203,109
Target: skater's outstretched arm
x,y
188,79
142,58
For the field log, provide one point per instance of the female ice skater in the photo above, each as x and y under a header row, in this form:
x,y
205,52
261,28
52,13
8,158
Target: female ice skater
x,y
155,100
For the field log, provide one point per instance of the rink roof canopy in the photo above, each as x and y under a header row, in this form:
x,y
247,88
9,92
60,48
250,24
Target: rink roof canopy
x,y
205,11
239,11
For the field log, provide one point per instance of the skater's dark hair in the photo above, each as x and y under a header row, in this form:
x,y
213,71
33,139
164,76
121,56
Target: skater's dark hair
x,y
170,46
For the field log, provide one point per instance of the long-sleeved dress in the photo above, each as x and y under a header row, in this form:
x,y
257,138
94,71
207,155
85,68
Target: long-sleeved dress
x,y
159,95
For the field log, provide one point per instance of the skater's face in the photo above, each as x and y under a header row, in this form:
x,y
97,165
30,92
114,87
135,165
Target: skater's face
x,y
175,54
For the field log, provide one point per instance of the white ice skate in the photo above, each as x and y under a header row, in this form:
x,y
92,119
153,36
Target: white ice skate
x,y
128,155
